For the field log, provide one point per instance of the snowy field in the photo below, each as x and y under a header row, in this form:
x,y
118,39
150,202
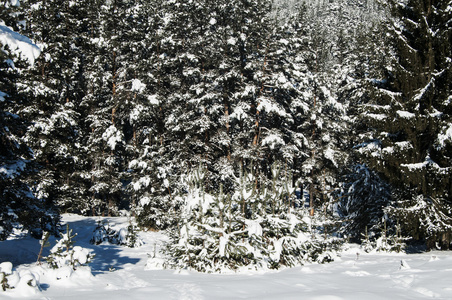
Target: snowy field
x,y
128,273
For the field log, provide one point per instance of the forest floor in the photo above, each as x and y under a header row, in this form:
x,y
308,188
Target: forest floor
x,y
119,272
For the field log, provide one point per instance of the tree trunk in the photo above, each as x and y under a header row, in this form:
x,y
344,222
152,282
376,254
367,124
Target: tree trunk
x,y
311,199
226,114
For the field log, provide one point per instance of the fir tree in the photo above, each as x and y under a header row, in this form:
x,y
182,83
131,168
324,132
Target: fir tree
x,y
107,104
321,117
20,207
64,253
54,88
409,112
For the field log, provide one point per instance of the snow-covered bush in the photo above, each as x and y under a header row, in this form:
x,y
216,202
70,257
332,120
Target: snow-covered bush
x,y
248,229
103,233
6,269
129,237
25,282
64,253
386,242
269,242
382,244
124,236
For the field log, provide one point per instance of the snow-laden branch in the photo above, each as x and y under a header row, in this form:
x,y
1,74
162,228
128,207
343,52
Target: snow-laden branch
x,y
20,45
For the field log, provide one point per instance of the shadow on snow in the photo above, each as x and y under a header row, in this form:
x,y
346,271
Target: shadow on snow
x,y
107,256
24,249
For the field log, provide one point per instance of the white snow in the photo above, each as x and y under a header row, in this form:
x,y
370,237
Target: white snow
x,y
272,141
376,116
232,41
415,166
6,267
136,113
404,145
153,100
143,182
421,165
449,8
20,45
424,90
223,243
372,148
138,86
329,154
112,136
254,227
138,273
445,137
387,150
15,3
268,105
405,114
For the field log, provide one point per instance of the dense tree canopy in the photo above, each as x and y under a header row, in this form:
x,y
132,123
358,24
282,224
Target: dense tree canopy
x,y
341,106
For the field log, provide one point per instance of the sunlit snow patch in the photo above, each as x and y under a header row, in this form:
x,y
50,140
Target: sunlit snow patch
x,y
20,45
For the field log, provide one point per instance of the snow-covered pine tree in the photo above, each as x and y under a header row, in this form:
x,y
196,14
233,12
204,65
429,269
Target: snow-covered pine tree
x,y
151,198
323,121
199,80
171,143
107,103
214,234
81,20
192,107
93,68
364,51
142,124
65,254
205,137
19,206
409,111
134,46
248,53
279,103
53,89
335,56
290,87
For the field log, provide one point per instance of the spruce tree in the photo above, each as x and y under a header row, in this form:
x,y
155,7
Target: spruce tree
x,y
409,112
54,88
107,103
20,208
151,194
321,116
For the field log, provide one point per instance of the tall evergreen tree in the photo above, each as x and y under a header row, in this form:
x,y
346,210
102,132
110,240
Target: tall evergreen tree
x,y
108,102
322,119
54,88
362,195
20,208
151,195
410,114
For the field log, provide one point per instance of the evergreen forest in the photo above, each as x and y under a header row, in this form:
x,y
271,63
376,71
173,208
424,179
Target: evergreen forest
x,y
232,120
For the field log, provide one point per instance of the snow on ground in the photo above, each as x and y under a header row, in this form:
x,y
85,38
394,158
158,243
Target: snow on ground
x,y
119,272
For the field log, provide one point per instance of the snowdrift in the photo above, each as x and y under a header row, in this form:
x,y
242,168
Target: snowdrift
x,y
138,273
